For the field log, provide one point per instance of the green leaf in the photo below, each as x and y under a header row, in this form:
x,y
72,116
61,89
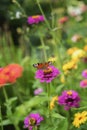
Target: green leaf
x,y
63,124
5,122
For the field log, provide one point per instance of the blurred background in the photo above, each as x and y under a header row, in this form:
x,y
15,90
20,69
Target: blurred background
x,y
23,43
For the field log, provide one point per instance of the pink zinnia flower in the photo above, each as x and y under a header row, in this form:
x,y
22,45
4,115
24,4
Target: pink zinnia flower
x,y
84,73
47,75
35,19
83,83
32,120
69,99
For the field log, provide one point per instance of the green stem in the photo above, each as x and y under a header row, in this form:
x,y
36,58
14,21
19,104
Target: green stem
x,y
16,127
56,50
35,128
49,92
5,94
1,119
10,117
43,14
69,119
16,91
44,49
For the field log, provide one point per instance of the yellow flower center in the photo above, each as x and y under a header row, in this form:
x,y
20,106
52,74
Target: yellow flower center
x,y
85,81
32,121
69,92
86,71
36,16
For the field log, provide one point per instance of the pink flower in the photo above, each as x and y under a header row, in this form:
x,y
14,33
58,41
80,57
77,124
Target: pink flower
x,y
83,83
84,73
69,99
47,75
32,120
38,91
35,19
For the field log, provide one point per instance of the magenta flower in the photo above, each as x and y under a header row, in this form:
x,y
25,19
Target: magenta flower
x,y
83,83
69,99
32,120
47,75
35,19
84,73
38,91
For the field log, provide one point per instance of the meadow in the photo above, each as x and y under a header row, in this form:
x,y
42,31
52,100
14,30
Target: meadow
x,y
43,65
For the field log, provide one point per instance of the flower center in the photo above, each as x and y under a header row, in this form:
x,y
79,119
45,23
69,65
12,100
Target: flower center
x,y
32,121
69,100
86,71
69,93
47,70
80,118
85,82
35,17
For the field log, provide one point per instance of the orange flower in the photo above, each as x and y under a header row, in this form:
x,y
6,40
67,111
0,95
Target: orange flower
x,y
63,20
10,73
3,78
14,71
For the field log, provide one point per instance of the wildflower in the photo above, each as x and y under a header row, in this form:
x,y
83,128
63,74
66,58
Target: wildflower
x,y
52,59
18,14
10,73
84,8
76,38
3,79
52,103
85,48
78,54
35,19
69,66
80,118
69,99
14,71
83,83
48,74
84,73
71,50
62,79
74,11
32,120
38,91
63,20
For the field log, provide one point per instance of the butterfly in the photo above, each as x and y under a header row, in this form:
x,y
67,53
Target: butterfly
x,y
43,66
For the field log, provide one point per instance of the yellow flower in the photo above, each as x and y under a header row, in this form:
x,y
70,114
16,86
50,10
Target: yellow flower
x,y
53,59
80,118
78,54
85,48
71,50
69,65
62,79
52,103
